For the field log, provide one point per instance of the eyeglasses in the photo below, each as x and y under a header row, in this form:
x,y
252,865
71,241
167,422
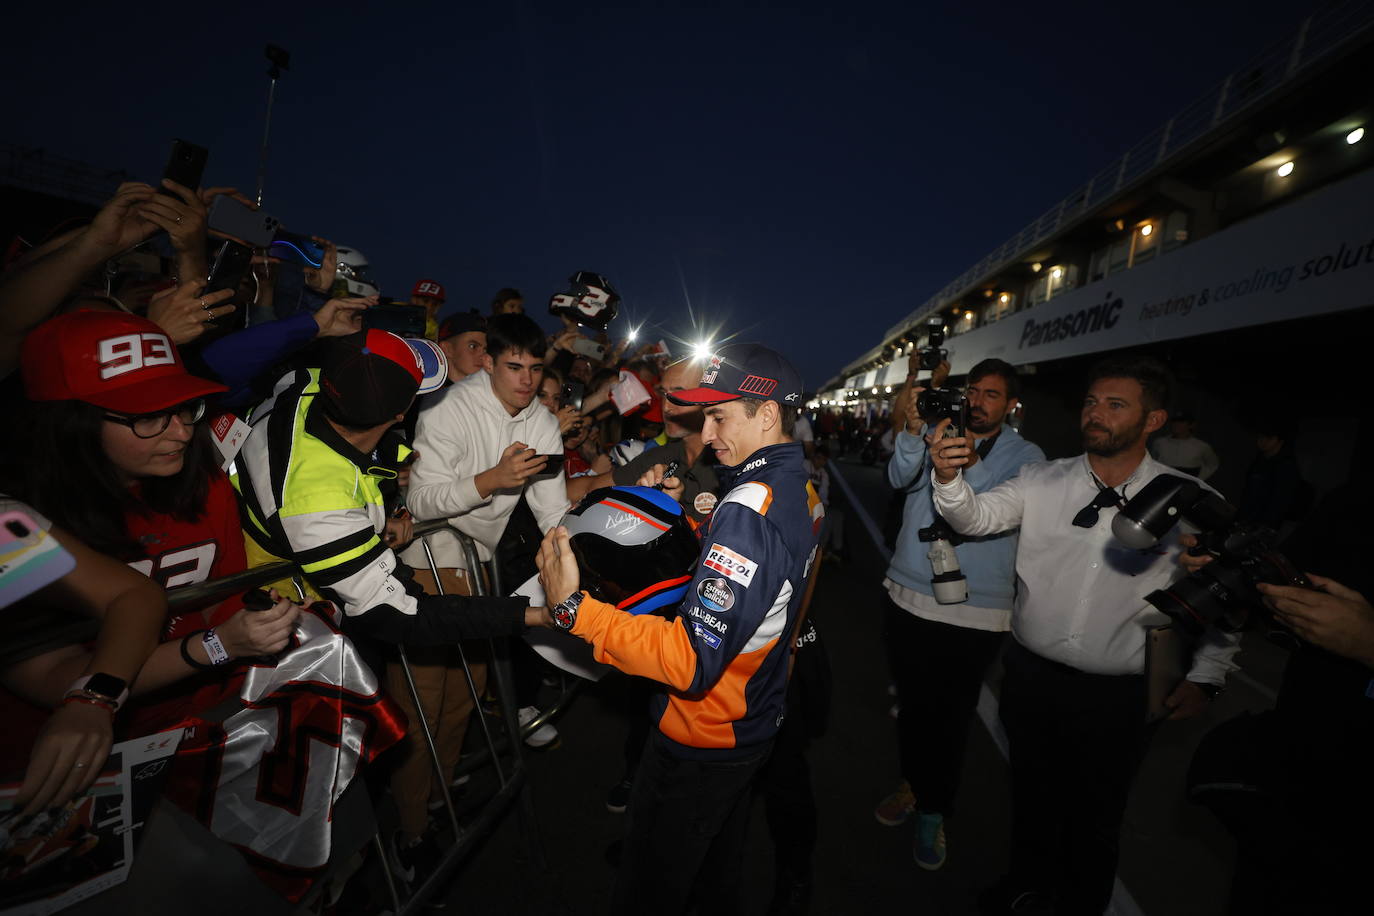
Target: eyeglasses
x,y
149,425
1106,498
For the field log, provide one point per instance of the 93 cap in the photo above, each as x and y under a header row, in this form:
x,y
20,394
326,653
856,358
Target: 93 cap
x,y
113,360
431,288
744,370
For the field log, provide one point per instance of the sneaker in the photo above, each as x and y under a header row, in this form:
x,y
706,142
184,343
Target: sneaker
x,y
411,862
618,799
543,736
929,849
897,807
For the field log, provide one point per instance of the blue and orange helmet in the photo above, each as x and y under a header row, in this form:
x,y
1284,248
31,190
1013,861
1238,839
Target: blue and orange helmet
x,y
634,548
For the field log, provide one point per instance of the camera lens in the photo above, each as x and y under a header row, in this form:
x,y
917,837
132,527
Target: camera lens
x,y
1200,599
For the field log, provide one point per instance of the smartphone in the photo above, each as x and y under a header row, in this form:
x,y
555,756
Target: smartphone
x,y
185,165
555,465
229,264
299,249
572,394
588,348
30,558
397,317
235,218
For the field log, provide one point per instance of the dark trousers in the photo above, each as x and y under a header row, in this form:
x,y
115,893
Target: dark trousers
x,y
1076,741
789,802
938,669
684,840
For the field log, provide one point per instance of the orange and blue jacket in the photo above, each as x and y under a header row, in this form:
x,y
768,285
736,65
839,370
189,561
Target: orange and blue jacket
x,y
723,658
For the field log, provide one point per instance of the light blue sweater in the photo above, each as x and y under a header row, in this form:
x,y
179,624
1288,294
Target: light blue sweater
x,y
989,563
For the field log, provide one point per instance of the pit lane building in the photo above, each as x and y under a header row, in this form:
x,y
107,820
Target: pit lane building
x,y
1235,241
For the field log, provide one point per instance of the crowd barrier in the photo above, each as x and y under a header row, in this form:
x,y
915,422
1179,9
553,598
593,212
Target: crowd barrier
x,y
504,756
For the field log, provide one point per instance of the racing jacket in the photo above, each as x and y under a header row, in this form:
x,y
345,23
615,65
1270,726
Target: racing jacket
x,y
312,497
724,657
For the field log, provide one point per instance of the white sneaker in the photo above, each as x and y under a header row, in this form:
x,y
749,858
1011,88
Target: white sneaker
x,y
541,737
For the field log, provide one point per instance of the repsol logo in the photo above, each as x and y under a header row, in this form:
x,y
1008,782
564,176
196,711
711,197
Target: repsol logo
x,y
1074,324
756,463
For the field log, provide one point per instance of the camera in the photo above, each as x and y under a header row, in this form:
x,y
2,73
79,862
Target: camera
x,y
948,583
931,354
1244,555
935,404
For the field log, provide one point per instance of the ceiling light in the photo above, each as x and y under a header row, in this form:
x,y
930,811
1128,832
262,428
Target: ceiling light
x,y
887,390
1285,170
1355,136
1035,268
1004,298
875,389
968,315
1057,273
1146,229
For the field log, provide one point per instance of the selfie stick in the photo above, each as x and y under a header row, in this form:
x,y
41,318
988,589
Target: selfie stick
x,y
280,59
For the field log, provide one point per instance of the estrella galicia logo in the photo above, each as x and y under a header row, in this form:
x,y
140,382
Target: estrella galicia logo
x,y
715,595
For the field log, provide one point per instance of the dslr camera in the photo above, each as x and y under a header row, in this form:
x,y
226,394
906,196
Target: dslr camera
x,y
948,582
1218,594
931,354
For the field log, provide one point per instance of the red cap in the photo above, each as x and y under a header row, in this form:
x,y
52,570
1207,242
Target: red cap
x,y
431,288
110,359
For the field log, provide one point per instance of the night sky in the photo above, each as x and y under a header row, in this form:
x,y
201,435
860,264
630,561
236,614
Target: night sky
x,y
801,175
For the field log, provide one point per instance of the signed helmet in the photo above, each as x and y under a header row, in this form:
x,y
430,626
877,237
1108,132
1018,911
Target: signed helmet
x,y
590,300
634,548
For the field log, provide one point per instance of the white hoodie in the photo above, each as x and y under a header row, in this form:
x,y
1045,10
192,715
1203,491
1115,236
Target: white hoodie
x,y
459,437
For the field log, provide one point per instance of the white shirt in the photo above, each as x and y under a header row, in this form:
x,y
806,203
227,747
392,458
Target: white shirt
x,y
1080,596
1186,453
459,437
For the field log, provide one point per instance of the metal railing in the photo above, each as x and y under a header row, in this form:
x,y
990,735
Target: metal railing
x,y
499,751
1324,33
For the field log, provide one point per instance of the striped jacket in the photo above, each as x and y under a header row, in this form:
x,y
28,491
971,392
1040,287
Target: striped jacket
x,y
312,497
724,657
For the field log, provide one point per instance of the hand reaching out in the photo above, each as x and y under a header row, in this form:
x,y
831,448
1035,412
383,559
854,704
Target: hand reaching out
x,y
67,757
182,214
183,312
341,317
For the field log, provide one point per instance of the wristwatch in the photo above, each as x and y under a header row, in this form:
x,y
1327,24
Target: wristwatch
x,y
564,613
104,688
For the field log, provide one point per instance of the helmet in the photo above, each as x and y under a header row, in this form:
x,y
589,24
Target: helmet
x,y
356,273
590,300
634,548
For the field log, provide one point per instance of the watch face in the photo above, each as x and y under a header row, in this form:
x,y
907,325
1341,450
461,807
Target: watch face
x,y
106,685
564,613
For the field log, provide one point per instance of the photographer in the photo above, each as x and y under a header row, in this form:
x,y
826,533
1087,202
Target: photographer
x,y
940,652
1289,782
1073,700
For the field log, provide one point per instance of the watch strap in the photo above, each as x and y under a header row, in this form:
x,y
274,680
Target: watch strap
x,y
100,688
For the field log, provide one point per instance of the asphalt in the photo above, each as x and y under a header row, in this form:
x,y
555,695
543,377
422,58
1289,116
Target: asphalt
x,y
1175,858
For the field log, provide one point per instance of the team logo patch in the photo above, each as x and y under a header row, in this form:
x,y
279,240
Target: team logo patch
x,y
716,595
705,503
730,564
706,635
